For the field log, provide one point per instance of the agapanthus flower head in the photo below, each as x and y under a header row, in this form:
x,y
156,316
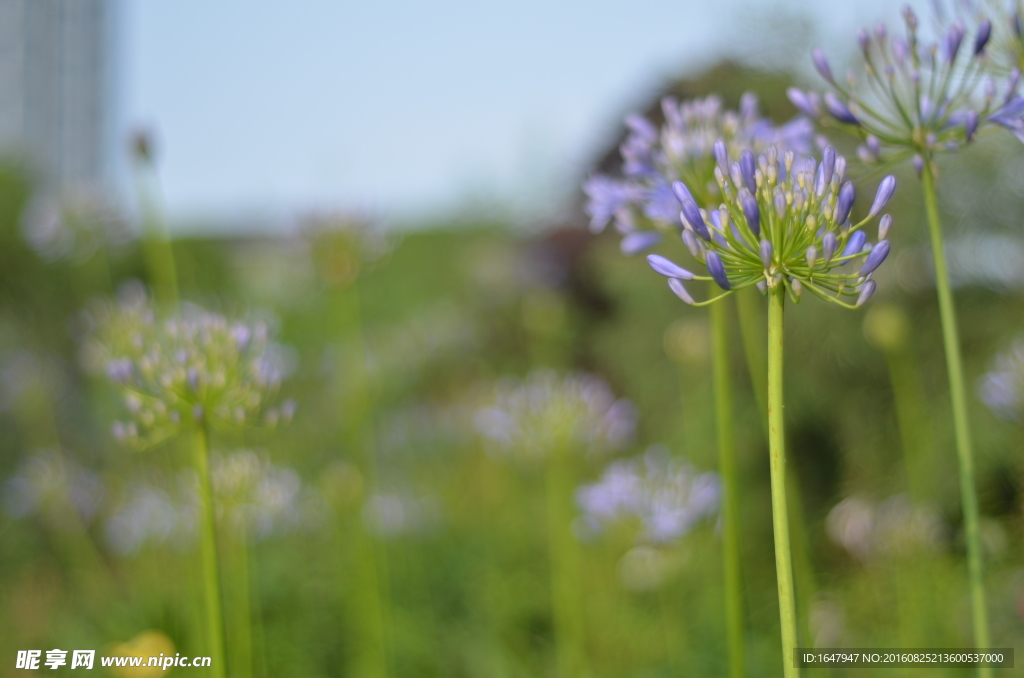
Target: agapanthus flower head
x,y
258,498
193,367
548,413
665,494
1002,387
919,98
793,230
688,147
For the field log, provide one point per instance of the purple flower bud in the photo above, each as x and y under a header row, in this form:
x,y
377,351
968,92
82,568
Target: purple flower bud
x,y
668,268
721,155
981,39
828,246
951,44
909,17
690,240
120,371
918,163
736,175
866,290
780,203
748,167
828,163
878,254
242,335
864,40
971,124
679,290
821,63
900,52
681,192
840,167
805,103
838,110
1011,84
855,244
766,253
198,413
812,256
847,194
885,191
638,241
819,181
717,270
193,379
691,215
883,227
752,212
796,286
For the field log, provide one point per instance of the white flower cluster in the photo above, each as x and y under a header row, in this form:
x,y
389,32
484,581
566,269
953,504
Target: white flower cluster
x,y
870,530
547,412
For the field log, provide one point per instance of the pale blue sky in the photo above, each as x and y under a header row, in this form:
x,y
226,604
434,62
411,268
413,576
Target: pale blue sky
x,y
406,108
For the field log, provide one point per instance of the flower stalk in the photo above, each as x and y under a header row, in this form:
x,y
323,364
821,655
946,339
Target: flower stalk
x,y
208,548
961,424
777,454
732,569
566,598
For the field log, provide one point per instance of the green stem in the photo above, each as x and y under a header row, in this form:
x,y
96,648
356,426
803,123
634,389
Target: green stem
x,y
208,546
730,488
242,630
157,247
748,307
570,655
752,323
961,425
369,598
777,454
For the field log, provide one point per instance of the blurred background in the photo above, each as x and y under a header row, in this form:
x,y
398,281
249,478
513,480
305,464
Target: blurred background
x,y
393,190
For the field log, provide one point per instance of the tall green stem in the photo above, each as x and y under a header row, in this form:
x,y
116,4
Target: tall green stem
x,y
156,243
369,597
208,546
566,601
242,611
730,488
777,454
961,425
752,321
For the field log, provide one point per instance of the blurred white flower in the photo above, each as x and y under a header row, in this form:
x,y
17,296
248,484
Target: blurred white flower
x,y
665,494
546,412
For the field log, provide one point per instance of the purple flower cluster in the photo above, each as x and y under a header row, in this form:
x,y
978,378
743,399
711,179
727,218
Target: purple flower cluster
x,y
665,494
195,366
781,222
919,99
641,202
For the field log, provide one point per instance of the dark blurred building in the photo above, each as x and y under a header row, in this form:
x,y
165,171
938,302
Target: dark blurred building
x,y
55,87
